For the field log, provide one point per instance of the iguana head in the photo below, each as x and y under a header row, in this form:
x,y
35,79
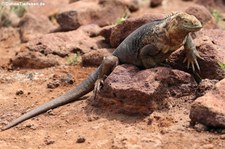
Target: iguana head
x,y
185,22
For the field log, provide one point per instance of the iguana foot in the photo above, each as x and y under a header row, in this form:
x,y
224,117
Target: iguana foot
x,y
191,53
107,66
191,58
98,86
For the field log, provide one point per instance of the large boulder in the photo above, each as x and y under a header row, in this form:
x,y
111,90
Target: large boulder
x,y
60,45
32,27
203,15
142,91
210,44
81,13
212,4
33,59
209,109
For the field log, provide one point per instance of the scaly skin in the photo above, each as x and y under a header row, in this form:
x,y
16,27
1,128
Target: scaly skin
x,y
146,47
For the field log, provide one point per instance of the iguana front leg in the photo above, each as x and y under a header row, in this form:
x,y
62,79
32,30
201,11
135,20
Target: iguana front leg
x,y
146,54
151,56
107,66
191,53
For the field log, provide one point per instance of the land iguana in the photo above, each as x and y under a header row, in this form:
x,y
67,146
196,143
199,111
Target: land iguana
x,y
148,46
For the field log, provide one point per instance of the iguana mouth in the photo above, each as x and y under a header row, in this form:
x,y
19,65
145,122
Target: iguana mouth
x,y
193,27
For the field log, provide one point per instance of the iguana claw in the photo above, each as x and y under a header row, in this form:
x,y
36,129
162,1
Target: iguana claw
x,y
191,58
191,53
98,86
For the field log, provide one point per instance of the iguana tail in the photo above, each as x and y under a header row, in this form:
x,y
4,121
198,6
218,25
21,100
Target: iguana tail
x,y
85,87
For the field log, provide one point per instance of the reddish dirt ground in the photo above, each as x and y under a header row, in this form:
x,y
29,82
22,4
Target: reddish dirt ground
x,y
62,127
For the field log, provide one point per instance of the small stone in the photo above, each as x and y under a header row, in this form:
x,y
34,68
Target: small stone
x,y
15,104
50,112
80,139
157,117
155,3
222,137
72,1
149,121
93,118
19,92
69,131
54,84
68,79
164,131
31,126
49,140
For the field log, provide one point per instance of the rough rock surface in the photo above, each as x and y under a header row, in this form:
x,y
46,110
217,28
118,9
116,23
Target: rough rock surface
x,y
33,59
203,15
9,37
106,32
95,57
212,4
83,13
210,44
205,86
32,27
58,45
209,109
121,31
135,91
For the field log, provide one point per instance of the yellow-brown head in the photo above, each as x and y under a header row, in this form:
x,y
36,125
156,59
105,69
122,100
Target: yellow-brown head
x,y
186,22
